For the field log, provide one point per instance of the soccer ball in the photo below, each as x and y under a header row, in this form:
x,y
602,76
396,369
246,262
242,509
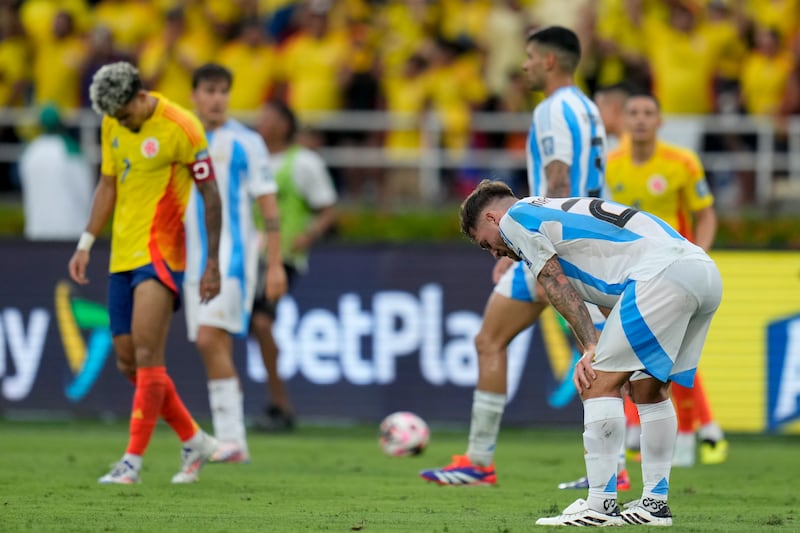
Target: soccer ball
x,y
403,434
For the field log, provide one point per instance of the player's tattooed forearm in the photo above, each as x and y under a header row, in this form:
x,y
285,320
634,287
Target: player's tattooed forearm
x,y
567,301
557,174
213,210
272,224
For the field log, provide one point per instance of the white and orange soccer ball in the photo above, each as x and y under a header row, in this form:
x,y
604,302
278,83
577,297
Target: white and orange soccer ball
x,y
403,434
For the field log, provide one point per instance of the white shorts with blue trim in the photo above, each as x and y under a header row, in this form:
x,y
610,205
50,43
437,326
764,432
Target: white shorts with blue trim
x,y
517,283
229,310
658,327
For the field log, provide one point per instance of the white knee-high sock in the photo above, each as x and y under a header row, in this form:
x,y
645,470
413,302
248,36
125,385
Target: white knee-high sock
x,y
487,412
659,428
227,411
603,435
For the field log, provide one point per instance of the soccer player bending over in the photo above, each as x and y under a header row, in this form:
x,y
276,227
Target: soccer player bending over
x,y
662,291
152,152
566,157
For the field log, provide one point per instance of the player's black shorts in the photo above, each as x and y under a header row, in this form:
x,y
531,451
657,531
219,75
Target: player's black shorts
x,y
260,303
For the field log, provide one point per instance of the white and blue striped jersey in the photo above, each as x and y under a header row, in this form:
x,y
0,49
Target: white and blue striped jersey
x,y
601,245
567,127
241,167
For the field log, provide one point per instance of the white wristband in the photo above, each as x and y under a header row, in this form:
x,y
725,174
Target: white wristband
x,y
86,241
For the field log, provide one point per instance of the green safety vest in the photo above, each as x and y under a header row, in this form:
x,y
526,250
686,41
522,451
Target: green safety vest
x,y
295,213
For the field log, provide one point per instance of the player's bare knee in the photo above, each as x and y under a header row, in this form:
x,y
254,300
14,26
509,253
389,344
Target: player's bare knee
x,y
607,385
260,324
488,345
648,390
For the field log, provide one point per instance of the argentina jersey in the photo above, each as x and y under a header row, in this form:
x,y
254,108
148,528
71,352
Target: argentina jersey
x,y
567,127
241,166
601,245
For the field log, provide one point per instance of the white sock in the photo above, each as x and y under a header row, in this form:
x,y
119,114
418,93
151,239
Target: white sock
x,y
711,431
659,428
195,440
487,411
227,411
603,437
633,437
134,460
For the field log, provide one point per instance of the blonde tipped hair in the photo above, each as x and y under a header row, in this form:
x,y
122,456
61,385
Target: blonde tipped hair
x,y
113,86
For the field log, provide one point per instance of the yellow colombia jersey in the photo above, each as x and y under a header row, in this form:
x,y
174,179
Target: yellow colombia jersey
x,y
671,185
151,167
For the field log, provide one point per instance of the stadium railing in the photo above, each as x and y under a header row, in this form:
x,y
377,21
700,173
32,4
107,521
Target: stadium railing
x,y
776,170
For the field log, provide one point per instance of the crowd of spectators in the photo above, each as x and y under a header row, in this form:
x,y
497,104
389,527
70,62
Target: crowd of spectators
x,y
405,56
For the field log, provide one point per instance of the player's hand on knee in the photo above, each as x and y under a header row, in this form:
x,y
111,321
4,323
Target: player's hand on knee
x,y
584,373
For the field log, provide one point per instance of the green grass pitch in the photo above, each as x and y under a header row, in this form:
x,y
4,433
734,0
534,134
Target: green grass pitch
x,y
336,479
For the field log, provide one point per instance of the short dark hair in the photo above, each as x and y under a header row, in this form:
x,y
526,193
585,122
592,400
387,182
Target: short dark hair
x,y
644,94
484,194
624,88
288,115
561,40
211,72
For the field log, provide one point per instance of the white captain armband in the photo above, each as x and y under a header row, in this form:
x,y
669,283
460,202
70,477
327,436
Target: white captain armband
x,y
202,169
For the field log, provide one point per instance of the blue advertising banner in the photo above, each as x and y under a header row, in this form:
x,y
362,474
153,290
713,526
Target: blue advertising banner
x,y
368,331
783,363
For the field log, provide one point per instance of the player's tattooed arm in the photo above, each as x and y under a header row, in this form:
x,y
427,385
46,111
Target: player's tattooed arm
x,y
210,282
272,224
213,208
557,173
567,301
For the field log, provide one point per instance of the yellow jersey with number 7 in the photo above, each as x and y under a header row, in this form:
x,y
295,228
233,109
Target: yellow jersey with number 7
x,y
154,169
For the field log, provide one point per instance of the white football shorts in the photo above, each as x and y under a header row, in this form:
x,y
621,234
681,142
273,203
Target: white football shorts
x,y
658,327
229,310
517,283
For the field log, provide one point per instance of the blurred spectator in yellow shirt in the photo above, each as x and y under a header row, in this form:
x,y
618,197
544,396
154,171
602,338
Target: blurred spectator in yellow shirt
x,y
361,87
456,89
683,61
168,60
14,81
724,27
464,19
765,74
251,57
211,22
131,23
58,65
38,15
406,27
405,98
102,50
620,39
314,64
783,15
504,28
15,55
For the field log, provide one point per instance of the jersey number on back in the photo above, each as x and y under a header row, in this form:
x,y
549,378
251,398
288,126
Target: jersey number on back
x,y
597,210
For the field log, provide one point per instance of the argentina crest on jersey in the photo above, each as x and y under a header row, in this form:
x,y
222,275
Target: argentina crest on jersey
x,y
548,146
